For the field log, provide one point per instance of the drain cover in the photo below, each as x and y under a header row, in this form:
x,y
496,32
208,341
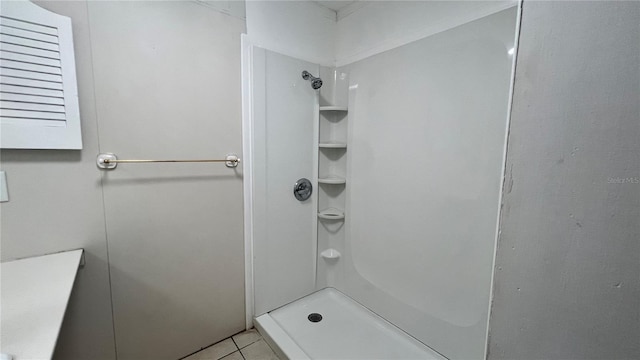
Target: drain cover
x,y
314,317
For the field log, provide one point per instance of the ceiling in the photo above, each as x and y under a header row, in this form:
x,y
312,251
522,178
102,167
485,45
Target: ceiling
x,y
335,5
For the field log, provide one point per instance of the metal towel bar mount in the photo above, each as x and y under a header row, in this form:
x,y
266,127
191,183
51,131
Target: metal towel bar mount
x,y
109,161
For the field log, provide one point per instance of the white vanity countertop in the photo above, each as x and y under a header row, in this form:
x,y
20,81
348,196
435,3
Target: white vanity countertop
x,y
35,293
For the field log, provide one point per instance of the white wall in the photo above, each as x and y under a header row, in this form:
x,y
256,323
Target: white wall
x,y
370,27
167,237
426,140
301,29
168,86
566,282
56,204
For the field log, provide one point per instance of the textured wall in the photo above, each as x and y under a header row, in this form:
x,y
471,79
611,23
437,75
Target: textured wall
x,y
567,274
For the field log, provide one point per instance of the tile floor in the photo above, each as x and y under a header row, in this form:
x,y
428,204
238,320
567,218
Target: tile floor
x,y
248,345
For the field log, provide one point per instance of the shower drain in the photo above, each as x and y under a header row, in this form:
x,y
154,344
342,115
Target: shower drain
x,y
314,317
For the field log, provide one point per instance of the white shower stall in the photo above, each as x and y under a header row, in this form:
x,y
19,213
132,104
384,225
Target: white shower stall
x,y
404,145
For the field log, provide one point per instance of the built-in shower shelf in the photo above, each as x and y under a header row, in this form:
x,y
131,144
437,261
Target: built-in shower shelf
x,y
332,145
333,180
331,214
330,254
333,108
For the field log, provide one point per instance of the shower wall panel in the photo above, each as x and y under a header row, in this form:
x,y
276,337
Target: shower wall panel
x,y
427,130
285,144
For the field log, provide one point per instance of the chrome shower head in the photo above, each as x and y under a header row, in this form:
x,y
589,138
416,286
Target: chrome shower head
x,y
316,83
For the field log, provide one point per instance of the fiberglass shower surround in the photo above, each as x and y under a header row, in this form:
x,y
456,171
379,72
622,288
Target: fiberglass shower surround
x,y
363,250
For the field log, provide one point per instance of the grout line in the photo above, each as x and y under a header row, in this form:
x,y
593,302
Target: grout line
x,y
234,342
208,346
226,356
238,348
253,342
242,332
242,355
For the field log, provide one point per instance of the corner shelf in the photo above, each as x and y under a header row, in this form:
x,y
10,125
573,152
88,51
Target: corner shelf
x,y
333,180
334,108
332,142
330,254
331,214
332,145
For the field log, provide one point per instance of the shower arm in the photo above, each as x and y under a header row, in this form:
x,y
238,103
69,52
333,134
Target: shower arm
x,y
316,82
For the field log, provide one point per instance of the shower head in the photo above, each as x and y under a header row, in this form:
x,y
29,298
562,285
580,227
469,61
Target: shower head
x,y
316,83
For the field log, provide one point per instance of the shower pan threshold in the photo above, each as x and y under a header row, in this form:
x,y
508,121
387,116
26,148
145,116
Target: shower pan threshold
x,y
347,330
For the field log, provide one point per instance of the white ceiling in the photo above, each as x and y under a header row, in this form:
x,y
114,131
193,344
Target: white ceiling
x,y
335,5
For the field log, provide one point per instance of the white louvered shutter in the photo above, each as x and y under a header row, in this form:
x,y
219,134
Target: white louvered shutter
x,y
38,90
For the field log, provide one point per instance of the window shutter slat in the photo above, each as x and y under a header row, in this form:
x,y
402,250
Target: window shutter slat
x,y
27,25
36,44
29,34
31,106
31,99
20,49
30,83
25,90
24,114
33,75
7,55
21,65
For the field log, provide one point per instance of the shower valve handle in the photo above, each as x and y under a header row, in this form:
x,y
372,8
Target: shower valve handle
x,y
302,189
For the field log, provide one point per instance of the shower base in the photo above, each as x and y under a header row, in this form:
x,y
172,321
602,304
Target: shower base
x,y
347,330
